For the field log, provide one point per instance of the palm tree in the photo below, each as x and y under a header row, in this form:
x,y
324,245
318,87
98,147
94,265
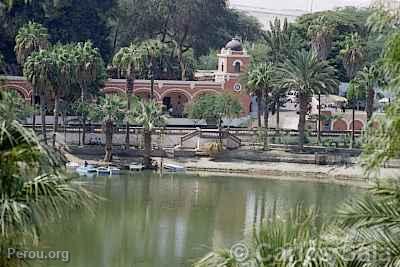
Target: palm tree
x,y
353,55
320,34
39,71
31,37
32,192
148,114
369,78
110,110
152,49
306,74
65,65
129,60
261,79
88,62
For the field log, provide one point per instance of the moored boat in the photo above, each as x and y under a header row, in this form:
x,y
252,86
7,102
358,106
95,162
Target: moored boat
x,y
174,167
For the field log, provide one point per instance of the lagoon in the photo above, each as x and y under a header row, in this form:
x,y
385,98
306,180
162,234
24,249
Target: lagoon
x,y
150,220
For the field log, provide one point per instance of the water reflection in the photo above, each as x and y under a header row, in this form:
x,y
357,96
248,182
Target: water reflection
x,y
149,220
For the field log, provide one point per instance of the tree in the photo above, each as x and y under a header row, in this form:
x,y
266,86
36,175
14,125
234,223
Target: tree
x,y
152,50
129,60
63,78
306,74
110,110
320,34
39,71
353,56
90,73
33,192
260,82
149,115
215,108
31,37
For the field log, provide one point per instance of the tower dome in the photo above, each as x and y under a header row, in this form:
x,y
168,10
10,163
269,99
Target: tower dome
x,y
234,45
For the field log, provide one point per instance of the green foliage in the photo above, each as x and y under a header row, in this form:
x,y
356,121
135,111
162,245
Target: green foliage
x,y
17,107
32,191
353,54
148,114
215,107
208,62
30,38
307,74
108,108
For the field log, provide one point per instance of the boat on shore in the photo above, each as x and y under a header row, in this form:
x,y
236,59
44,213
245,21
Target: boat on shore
x,y
136,166
86,169
174,167
111,170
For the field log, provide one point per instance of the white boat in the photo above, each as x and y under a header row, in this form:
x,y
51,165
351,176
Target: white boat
x,y
111,170
174,167
103,171
72,166
136,167
86,169
114,170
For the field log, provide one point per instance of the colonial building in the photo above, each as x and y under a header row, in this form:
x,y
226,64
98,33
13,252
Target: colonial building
x,y
175,95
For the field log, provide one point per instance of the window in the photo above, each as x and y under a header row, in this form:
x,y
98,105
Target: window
x,y
237,67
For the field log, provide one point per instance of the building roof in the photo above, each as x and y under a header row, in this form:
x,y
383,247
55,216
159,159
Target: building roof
x,y
234,45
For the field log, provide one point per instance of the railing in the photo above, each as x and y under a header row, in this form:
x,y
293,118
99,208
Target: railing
x,y
186,131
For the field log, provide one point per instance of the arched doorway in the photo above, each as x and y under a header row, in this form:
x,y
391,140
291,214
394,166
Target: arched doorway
x,y
175,103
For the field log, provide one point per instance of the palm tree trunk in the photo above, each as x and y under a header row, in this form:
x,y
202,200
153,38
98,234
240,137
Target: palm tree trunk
x,y
370,103
83,130
129,90
353,131
147,149
259,108
266,120
43,117
55,122
302,120
109,125
181,63
278,110
34,108
319,118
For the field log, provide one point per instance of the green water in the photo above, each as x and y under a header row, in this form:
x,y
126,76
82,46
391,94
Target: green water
x,y
150,220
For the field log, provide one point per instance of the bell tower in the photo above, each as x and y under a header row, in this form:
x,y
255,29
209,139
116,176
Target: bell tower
x,y
233,61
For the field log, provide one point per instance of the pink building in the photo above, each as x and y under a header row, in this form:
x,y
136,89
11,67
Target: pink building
x,y
175,95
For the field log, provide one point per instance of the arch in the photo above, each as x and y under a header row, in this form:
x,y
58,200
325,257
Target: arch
x,y
204,91
25,93
168,91
175,103
147,90
358,125
339,125
237,61
113,90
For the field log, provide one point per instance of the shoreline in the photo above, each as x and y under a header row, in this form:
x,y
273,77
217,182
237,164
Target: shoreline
x,y
341,175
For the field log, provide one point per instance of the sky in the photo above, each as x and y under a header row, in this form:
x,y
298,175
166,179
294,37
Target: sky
x,y
300,4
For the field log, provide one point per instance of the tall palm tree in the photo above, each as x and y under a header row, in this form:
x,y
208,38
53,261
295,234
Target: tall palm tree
x,y
31,37
353,55
320,33
88,62
306,74
39,71
369,78
261,78
110,110
129,60
65,66
32,192
149,115
152,49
